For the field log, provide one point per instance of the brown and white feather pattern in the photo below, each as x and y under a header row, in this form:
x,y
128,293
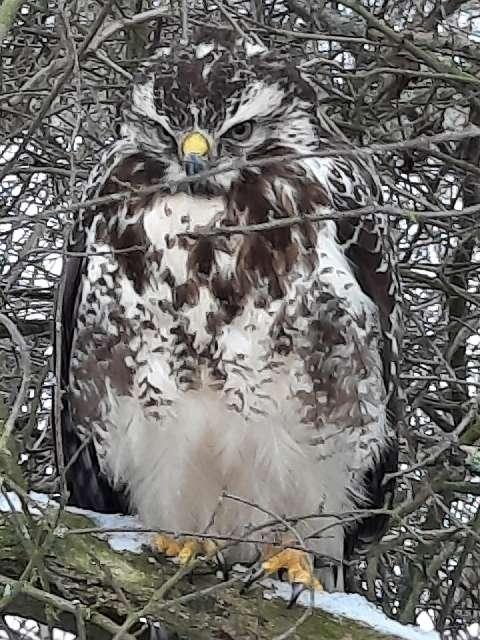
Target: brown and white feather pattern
x,y
250,363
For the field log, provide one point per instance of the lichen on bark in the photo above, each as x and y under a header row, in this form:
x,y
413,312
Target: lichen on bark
x,y
112,585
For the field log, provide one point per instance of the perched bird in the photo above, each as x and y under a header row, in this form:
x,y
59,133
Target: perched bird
x,y
230,337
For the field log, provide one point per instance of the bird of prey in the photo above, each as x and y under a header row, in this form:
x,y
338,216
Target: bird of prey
x,y
231,316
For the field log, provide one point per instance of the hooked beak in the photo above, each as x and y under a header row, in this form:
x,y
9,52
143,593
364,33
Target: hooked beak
x,y
194,164
195,152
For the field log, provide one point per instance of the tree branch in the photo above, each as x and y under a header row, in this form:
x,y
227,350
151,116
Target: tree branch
x,y
8,11
84,567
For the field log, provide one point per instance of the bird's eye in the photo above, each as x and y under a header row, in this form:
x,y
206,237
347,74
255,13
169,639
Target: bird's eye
x,y
241,131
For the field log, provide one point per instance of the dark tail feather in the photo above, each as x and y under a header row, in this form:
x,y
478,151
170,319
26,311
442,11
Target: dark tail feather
x,y
87,487
370,530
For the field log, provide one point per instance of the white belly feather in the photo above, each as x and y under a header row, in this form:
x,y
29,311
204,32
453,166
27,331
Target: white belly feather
x,y
249,438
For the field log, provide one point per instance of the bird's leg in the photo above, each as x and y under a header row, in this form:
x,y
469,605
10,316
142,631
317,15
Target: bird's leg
x,y
297,567
185,549
170,547
293,565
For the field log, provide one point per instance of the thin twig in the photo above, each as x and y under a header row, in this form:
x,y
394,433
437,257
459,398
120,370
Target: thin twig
x,y
26,368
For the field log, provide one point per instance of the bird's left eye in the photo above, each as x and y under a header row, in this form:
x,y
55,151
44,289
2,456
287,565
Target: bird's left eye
x,y
241,131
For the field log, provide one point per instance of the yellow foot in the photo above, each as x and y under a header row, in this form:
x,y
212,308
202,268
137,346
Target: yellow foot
x,y
298,568
184,550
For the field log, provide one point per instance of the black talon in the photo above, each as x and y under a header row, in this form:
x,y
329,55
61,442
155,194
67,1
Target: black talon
x,y
222,565
281,573
156,631
297,589
254,576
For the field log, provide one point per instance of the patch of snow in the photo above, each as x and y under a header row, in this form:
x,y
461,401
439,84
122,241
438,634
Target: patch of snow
x,y
122,541
42,498
348,605
254,48
355,607
13,499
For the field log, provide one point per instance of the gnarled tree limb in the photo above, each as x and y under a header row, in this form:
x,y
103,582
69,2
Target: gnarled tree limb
x,y
91,582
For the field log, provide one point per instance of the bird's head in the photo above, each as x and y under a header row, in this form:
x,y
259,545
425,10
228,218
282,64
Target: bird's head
x,y
213,106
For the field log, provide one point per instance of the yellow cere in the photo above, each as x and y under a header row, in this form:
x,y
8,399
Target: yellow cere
x,y
195,143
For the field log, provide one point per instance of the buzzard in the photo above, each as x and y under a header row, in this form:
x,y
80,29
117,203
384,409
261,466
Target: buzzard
x,y
229,335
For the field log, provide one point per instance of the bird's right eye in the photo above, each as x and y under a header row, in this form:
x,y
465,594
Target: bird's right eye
x,y
240,132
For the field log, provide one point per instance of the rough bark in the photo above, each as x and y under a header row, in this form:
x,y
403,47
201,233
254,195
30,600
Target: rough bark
x,y
86,570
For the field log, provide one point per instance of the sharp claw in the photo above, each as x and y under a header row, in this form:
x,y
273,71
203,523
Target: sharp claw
x,y
157,631
222,565
189,551
167,546
282,574
295,567
297,589
253,577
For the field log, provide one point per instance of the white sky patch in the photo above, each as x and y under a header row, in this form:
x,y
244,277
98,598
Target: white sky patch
x,y
254,48
203,49
31,629
53,264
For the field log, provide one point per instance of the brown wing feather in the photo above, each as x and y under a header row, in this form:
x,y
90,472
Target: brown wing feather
x,y
367,245
87,487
